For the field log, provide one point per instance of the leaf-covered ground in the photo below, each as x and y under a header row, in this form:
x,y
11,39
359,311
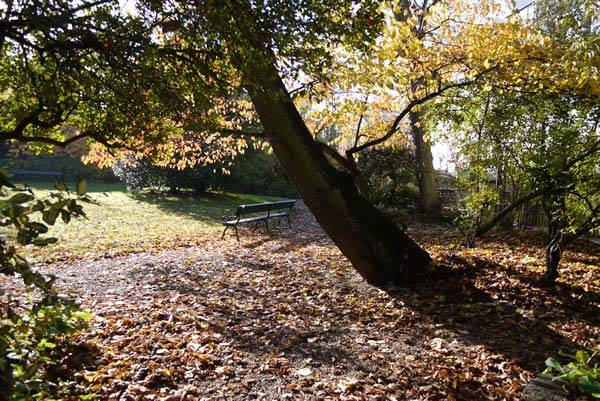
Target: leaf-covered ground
x,y
286,317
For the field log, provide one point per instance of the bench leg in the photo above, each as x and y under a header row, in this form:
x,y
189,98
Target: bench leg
x,y
236,232
255,225
267,226
287,216
278,221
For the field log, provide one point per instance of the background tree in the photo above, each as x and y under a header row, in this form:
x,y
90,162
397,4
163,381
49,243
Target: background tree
x,y
547,148
390,173
372,97
532,138
416,13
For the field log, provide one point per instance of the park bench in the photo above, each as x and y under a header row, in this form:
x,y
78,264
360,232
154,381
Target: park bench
x,y
24,174
258,213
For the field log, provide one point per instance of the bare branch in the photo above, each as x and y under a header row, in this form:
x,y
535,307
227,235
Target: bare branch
x,y
395,125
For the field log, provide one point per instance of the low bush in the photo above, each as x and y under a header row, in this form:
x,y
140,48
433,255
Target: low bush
x,y
582,372
255,172
139,174
260,173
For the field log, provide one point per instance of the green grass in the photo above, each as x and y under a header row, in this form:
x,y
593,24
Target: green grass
x,y
125,222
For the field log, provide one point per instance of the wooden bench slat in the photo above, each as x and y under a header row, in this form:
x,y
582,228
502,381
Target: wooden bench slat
x,y
253,208
244,220
279,214
282,205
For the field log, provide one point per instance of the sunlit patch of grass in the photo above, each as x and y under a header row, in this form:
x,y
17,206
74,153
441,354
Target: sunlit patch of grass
x,y
125,222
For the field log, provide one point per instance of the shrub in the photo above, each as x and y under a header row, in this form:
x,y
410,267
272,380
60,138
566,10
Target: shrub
x,y
139,174
256,172
582,372
390,175
31,333
260,173
472,211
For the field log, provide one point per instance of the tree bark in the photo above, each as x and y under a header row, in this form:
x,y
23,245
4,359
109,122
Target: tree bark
x,y
553,251
429,200
376,246
553,255
507,220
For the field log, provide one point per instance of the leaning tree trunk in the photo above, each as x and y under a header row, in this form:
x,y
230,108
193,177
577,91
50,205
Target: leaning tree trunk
x,y
553,254
374,244
429,200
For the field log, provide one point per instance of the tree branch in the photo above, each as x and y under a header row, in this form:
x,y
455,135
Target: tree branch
x,y
395,125
522,200
591,222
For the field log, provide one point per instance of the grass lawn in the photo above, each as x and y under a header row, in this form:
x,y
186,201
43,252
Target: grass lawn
x,y
125,222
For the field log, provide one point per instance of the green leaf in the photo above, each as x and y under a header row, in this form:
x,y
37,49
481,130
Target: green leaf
x,y
39,227
4,172
5,176
82,187
25,235
60,185
50,216
4,182
582,357
553,364
44,241
38,206
21,198
45,344
588,385
66,216
82,315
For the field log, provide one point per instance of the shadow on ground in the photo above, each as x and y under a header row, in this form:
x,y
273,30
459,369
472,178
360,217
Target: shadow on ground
x,y
452,300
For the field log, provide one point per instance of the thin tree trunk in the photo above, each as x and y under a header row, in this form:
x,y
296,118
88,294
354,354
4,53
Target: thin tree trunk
x,y
553,250
429,200
507,220
376,246
553,255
